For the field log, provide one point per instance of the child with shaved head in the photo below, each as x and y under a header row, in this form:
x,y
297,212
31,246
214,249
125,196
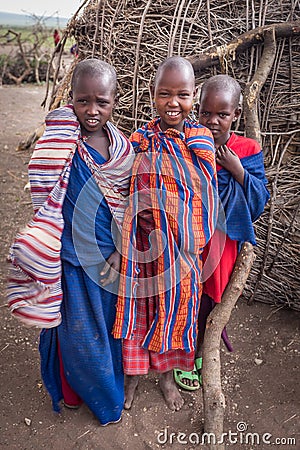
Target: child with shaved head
x,y
67,261
242,191
171,216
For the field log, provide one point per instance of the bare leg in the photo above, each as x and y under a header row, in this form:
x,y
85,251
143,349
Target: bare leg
x,y
207,305
131,382
170,392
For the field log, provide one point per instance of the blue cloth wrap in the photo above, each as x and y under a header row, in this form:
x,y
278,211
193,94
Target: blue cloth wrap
x,y
92,358
87,237
243,204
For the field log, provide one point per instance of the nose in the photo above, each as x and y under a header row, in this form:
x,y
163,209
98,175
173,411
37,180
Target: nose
x,y
173,101
213,119
92,109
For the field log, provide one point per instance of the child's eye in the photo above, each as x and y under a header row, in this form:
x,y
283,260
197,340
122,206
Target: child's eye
x,y
204,113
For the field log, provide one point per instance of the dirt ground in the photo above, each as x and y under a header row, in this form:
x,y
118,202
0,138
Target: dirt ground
x,y
261,378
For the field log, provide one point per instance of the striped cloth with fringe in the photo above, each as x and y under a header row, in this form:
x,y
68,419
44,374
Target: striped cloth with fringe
x,y
34,283
174,181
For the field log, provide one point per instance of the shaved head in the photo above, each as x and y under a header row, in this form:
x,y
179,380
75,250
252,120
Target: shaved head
x,y
94,68
223,83
175,62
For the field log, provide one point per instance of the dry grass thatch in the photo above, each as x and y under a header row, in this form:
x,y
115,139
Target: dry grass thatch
x,y
136,35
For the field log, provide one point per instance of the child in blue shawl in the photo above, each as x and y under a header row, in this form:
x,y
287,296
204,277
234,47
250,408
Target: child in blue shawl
x,y
242,192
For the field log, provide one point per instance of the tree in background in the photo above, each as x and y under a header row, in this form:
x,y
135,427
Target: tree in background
x,y
28,52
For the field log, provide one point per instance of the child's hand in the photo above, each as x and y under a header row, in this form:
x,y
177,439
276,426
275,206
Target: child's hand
x,y
112,268
231,162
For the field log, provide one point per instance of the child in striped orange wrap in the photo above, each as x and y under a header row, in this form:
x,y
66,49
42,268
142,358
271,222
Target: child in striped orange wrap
x,y
171,216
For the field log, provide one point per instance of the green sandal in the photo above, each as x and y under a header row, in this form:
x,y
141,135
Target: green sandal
x,y
198,367
179,375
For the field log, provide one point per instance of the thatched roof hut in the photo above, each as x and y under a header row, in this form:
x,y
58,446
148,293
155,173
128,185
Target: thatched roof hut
x,y
218,37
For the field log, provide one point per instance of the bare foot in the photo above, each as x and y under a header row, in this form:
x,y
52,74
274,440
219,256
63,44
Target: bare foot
x,y
170,392
131,382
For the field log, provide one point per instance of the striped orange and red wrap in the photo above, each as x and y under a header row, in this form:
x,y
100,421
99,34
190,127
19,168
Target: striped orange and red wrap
x,y
173,185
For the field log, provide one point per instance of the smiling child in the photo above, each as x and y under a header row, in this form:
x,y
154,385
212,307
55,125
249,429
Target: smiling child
x,y
171,216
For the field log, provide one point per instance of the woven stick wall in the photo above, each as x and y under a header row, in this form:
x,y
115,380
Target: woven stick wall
x,y
134,36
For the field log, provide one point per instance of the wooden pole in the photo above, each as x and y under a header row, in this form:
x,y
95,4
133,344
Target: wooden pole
x,y
213,397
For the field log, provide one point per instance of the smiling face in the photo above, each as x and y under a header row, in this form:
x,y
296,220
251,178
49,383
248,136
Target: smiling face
x,y
173,95
217,111
93,101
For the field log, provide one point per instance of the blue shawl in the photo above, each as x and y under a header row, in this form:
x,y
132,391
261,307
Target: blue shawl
x,y
243,204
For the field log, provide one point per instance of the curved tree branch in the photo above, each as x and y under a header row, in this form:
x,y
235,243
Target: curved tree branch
x,y
28,68
242,43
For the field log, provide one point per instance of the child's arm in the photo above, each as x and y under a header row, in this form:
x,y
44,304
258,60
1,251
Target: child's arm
x,y
228,159
253,191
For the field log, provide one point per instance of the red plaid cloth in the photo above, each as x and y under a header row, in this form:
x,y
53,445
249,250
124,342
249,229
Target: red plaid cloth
x,y
137,360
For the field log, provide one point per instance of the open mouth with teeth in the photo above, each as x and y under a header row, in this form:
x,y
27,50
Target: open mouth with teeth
x,y
173,113
92,121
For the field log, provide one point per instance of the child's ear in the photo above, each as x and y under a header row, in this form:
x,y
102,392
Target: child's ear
x,y
71,95
237,113
196,99
196,94
116,100
152,101
152,90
